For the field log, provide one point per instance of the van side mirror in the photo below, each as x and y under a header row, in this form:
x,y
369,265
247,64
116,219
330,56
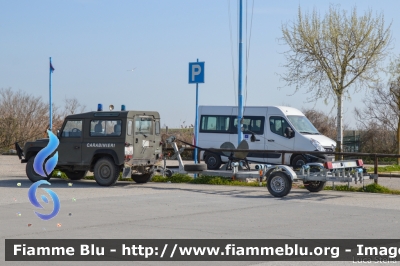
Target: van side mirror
x,y
253,138
289,133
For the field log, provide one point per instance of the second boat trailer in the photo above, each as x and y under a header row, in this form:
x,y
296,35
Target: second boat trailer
x,y
279,178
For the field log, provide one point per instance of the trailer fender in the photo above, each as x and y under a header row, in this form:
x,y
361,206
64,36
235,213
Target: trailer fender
x,y
289,171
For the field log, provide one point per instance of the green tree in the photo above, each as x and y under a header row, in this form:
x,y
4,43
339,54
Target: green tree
x,y
332,53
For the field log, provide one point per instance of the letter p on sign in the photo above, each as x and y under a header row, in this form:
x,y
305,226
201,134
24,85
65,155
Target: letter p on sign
x,y
196,72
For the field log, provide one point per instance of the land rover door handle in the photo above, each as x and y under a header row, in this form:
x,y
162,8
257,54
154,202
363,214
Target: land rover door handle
x,y
76,147
271,140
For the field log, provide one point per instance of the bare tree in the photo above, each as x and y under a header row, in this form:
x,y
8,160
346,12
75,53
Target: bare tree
x,y
22,117
377,139
71,106
382,108
332,53
324,123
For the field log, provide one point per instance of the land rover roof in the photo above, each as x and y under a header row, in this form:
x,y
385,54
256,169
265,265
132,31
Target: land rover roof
x,y
121,114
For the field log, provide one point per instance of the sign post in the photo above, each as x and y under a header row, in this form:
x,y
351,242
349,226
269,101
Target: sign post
x,y
50,100
196,75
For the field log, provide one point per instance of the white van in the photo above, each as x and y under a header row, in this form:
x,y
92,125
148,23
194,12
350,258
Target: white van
x,y
274,127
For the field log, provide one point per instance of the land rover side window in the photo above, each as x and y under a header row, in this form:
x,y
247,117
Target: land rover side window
x,y
157,127
105,128
129,128
72,129
214,124
143,125
278,125
251,124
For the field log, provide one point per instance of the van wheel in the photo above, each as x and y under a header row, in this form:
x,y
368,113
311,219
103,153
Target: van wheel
x,y
106,173
298,161
31,174
213,161
76,175
168,173
144,178
314,186
279,184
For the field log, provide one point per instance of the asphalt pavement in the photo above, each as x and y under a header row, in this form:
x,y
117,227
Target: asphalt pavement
x,y
188,211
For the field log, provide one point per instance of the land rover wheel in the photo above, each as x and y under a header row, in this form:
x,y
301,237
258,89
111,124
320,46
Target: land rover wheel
x,y
279,184
106,172
213,161
143,178
75,175
30,172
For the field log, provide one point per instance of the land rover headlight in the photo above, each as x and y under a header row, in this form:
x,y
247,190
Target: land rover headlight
x,y
317,145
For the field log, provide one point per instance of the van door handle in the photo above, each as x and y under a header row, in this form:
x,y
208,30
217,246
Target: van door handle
x,y
271,140
76,147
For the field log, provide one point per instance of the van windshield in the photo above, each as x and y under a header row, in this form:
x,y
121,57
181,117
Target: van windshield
x,y
303,125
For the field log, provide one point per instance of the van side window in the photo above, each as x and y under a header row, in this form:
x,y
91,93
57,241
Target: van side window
x,y
214,123
277,125
251,124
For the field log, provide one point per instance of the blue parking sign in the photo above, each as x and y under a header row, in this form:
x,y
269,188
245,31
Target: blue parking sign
x,y
196,72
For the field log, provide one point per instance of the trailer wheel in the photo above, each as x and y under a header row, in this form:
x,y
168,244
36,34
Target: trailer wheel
x,y
31,174
213,161
76,175
106,172
314,186
279,184
144,178
298,161
195,167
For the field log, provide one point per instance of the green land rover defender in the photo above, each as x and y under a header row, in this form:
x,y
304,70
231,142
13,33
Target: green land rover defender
x,y
105,143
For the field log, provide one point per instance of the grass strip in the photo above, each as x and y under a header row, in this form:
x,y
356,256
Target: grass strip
x,y
218,180
371,188
385,169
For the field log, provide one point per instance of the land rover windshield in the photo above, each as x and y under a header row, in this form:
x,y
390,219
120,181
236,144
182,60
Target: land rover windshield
x,y
303,125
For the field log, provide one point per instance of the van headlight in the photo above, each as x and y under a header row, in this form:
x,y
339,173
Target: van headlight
x,y
317,145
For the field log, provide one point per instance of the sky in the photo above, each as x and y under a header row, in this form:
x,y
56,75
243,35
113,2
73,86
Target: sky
x,y
94,43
